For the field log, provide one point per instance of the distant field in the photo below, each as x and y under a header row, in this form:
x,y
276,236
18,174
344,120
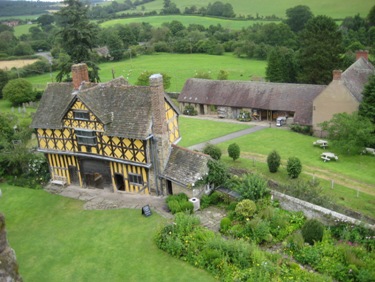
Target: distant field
x,y
157,21
25,17
179,66
332,8
23,29
7,65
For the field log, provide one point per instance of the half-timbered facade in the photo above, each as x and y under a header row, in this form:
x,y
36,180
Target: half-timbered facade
x,y
107,135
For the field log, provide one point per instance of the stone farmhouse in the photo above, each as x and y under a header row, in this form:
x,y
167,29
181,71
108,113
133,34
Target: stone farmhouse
x,y
115,135
303,104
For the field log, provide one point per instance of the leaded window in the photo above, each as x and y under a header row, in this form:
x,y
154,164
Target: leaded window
x,y
86,137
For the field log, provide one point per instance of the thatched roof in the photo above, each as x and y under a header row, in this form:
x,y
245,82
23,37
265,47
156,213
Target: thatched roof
x,y
356,76
185,167
125,110
256,95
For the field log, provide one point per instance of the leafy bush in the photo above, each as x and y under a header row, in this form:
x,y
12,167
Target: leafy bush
x,y
246,208
179,203
234,151
273,161
294,167
213,151
312,231
18,91
244,116
190,111
225,224
304,129
252,187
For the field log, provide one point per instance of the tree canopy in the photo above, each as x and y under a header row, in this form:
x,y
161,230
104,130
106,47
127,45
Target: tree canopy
x,y
367,106
18,91
297,17
76,37
350,133
320,50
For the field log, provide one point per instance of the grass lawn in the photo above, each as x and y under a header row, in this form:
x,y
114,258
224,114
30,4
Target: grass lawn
x,y
24,118
195,132
179,67
56,240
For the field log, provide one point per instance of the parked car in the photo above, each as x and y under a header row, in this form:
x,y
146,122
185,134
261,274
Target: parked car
x,y
280,121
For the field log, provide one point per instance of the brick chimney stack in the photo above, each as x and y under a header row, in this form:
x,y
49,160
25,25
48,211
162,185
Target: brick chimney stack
x,y
79,73
157,100
361,53
337,74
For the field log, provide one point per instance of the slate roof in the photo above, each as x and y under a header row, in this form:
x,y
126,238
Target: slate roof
x,y
185,167
250,94
356,76
125,110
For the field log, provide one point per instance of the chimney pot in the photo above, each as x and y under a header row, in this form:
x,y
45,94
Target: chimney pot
x,y
80,73
337,74
361,53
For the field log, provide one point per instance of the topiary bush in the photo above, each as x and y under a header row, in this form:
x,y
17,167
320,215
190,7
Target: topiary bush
x,y
294,167
246,208
312,231
234,151
213,151
273,161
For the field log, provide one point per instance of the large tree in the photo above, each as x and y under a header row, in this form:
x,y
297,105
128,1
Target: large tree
x,y
320,50
77,37
297,17
349,133
18,91
367,106
281,65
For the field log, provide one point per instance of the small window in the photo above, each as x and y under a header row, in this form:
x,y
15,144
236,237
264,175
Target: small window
x,y
85,137
81,115
135,179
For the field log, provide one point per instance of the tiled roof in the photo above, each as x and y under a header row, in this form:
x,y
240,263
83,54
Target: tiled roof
x,y
250,94
356,76
185,167
124,109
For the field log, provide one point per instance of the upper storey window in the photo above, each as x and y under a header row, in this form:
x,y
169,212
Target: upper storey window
x,y
85,137
82,115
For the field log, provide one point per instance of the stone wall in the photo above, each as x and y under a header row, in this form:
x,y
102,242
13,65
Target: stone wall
x,y
8,262
313,211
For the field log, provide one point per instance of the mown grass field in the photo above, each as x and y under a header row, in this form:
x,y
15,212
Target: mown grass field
x,y
157,21
179,67
56,240
23,29
350,174
269,7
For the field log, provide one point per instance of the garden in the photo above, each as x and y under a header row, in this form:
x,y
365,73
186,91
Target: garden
x,y
259,241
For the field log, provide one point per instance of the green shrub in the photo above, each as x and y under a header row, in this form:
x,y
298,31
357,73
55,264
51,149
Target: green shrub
x,y
190,111
312,231
18,91
294,167
252,187
179,203
273,161
304,129
205,201
295,242
213,151
187,207
225,224
234,151
246,208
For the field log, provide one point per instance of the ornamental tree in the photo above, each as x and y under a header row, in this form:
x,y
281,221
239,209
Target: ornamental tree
x,y
294,167
273,161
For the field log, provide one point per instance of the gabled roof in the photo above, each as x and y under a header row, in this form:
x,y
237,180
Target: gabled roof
x,y
125,110
356,76
185,167
257,95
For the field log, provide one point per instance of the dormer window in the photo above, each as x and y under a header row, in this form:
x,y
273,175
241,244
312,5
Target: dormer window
x,y
81,115
86,137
